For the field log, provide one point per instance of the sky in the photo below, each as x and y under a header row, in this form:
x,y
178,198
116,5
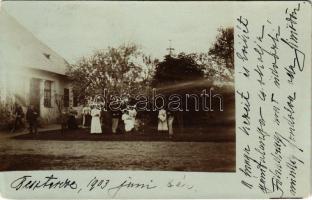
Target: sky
x,y
76,29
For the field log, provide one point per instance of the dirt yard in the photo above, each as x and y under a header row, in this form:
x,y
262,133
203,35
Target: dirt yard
x,y
116,155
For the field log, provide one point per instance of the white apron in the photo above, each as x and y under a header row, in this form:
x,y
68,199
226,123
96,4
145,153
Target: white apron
x,y
162,121
129,123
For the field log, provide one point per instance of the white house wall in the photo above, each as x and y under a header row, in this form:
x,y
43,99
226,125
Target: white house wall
x,y
19,83
22,57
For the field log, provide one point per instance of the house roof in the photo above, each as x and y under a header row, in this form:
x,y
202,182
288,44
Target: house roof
x,y
19,48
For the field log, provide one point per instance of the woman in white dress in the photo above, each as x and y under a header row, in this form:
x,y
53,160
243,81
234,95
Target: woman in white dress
x,y
128,121
132,115
95,122
162,121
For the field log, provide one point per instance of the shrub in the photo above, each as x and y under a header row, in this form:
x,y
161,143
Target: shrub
x,y
6,117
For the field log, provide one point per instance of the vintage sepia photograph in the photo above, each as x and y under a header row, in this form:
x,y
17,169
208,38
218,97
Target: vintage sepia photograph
x,y
117,86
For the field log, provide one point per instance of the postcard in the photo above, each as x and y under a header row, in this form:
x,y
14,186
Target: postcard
x,y
155,99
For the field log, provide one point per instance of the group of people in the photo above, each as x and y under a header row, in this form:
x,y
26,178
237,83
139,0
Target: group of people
x,y
91,117
125,118
31,118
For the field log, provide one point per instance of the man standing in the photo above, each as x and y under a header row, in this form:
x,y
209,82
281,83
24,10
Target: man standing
x,y
31,117
72,123
170,122
19,115
86,112
116,115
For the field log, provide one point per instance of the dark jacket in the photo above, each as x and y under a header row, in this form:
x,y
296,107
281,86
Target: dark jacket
x,y
31,115
116,113
19,112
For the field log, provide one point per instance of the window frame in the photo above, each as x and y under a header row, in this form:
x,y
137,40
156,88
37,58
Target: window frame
x,y
47,94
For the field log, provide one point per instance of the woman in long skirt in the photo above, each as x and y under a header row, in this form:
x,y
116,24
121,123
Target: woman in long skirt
x,y
162,121
95,122
128,121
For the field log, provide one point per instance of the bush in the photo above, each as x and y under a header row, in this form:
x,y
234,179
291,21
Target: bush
x,y
6,117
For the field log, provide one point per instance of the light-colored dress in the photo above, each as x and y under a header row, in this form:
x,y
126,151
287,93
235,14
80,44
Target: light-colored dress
x,y
132,114
95,122
129,119
162,120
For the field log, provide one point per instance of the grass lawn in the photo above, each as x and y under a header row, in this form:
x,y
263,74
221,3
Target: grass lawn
x,y
214,134
211,150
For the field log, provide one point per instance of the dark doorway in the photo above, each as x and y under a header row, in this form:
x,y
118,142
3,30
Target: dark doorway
x,y
35,93
66,97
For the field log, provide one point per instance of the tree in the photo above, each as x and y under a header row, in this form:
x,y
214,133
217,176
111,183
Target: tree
x,y
218,62
223,48
214,69
177,69
6,116
120,70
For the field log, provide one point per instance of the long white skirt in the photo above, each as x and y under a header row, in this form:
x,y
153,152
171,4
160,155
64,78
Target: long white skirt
x,y
162,125
96,125
129,124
